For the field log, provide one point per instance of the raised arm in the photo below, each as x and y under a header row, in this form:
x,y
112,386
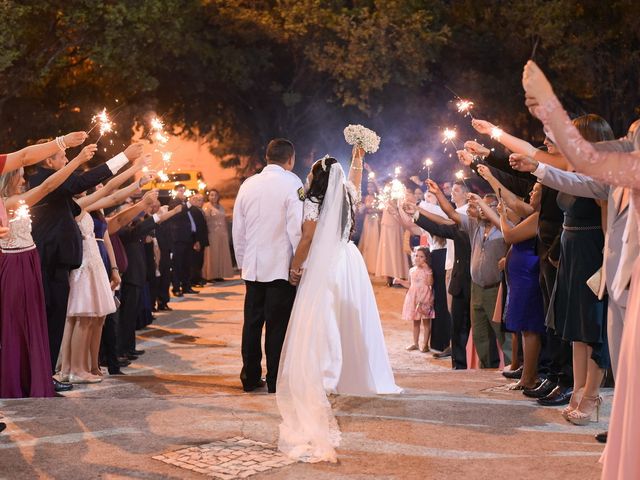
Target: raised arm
x,y
119,196
114,183
518,145
523,209
525,230
489,213
357,164
615,168
445,205
36,153
34,195
123,218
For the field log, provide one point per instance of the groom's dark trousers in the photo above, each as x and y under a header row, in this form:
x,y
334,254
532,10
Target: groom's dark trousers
x,y
270,304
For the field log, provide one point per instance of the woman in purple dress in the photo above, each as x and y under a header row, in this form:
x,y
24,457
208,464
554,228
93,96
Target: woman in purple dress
x,y
25,365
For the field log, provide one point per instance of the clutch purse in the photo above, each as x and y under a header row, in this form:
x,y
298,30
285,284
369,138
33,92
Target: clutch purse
x,y
594,281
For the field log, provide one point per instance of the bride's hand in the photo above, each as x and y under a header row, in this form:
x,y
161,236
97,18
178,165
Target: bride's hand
x,y
295,276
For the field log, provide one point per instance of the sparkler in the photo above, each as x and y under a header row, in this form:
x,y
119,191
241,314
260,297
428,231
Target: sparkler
x,y
103,122
448,135
465,106
163,176
496,133
397,171
20,213
372,175
202,185
460,176
428,163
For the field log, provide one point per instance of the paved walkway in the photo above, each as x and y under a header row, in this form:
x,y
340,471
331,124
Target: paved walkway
x,y
182,404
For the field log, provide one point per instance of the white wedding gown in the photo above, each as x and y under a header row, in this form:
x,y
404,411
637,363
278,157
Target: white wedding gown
x,y
334,342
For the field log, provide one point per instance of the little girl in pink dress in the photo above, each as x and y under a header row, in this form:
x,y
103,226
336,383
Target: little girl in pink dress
x,y
418,303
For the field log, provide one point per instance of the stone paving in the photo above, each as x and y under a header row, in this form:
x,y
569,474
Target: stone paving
x,y
228,459
182,400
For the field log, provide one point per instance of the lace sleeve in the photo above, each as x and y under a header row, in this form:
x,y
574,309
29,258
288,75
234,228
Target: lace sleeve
x,y
615,168
311,211
356,194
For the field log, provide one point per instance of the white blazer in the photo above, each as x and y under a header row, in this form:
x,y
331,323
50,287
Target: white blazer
x,y
267,223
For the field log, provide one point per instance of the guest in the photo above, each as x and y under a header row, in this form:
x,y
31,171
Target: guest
x,y
217,255
57,235
370,238
25,363
201,240
183,231
418,302
165,245
391,261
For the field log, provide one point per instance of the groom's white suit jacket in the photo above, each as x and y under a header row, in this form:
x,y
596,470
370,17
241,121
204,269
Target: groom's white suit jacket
x,y
267,222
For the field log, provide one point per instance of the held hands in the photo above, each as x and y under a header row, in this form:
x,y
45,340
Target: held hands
x,y
476,149
75,138
295,276
133,151
535,83
87,153
522,163
482,126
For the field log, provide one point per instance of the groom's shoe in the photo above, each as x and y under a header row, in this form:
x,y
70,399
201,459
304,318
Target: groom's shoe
x,y
250,388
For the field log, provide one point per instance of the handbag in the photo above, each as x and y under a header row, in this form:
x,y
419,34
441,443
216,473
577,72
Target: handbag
x,y
594,282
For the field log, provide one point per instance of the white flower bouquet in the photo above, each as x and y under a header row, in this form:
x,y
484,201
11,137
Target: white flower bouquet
x,y
362,137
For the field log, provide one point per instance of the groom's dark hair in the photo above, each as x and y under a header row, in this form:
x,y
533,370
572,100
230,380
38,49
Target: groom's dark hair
x,y
280,151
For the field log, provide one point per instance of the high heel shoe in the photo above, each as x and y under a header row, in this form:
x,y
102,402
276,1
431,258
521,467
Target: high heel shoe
x,y
76,379
573,404
577,417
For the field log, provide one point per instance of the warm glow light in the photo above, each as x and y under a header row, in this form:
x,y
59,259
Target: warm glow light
x,y
496,133
372,175
464,106
449,134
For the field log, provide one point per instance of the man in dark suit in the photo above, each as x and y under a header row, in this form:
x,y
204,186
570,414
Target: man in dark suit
x,y
202,239
183,231
165,244
460,285
57,235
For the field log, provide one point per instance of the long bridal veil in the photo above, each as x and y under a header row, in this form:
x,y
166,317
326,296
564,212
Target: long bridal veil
x,y
312,354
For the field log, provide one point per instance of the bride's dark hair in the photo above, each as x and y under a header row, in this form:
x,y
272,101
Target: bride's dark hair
x,y
318,188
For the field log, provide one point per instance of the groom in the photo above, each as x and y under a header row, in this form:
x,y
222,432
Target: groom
x,y
267,221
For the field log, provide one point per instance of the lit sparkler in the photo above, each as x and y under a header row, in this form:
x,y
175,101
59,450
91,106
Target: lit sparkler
x,y
20,213
460,176
428,163
448,135
397,171
372,175
103,122
465,106
496,133
163,176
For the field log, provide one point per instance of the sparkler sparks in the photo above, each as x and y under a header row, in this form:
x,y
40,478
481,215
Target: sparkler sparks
x,y
496,133
428,163
21,212
397,171
372,175
103,122
448,135
465,106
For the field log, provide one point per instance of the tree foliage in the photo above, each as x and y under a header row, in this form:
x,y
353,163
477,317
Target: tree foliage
x,y
240,72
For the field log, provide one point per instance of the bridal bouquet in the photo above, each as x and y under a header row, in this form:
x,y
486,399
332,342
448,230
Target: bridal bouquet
x,y
362,137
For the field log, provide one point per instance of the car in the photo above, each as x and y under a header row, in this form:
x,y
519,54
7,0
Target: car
x,y
192,179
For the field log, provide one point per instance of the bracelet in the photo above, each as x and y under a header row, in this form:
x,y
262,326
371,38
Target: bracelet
x,y
115,269
356,168
61,143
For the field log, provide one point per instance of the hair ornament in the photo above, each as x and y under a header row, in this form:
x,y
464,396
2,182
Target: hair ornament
x,y
323,163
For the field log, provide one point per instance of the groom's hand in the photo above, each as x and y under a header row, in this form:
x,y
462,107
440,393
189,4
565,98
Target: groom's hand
x,y
295,276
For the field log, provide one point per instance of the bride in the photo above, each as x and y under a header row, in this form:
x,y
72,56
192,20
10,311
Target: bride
x,y
334,342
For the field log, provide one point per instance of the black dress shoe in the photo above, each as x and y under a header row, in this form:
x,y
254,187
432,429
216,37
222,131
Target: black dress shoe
x,y
602,437
164,308
61,387
2,426
443,354
177,293
190,291
558,396
543,390
123,362
131,356
513,374
136,352
249,388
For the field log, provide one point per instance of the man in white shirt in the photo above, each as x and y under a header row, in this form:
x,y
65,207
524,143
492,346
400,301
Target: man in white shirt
x,y
267,222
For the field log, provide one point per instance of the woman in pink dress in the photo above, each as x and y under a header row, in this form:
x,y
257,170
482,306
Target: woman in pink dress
x,y
370,238
217,256
621,460
418,303
391,261
25,365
